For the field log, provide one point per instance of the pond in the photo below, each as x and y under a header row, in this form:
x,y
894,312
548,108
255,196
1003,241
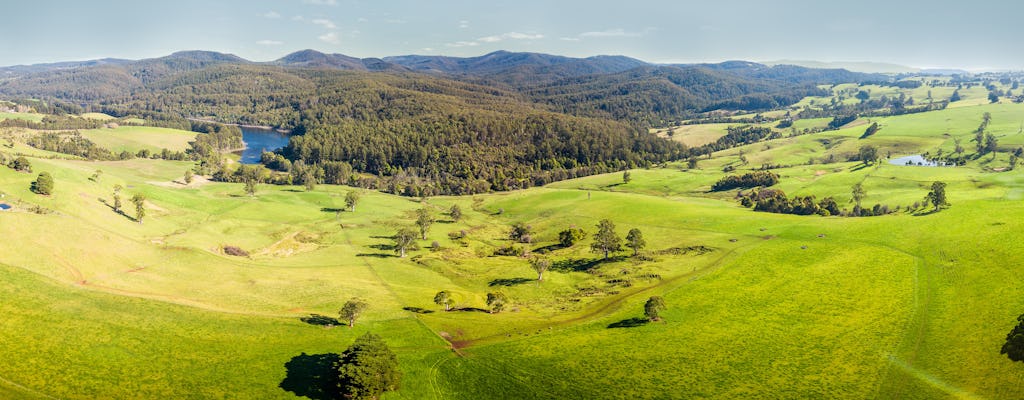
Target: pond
x,y
917,160
4,207
259,140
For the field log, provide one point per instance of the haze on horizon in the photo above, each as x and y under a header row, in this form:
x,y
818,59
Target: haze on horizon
x,y
911,33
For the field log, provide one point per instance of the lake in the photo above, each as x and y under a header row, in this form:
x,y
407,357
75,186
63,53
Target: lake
x,y
259,140
915,160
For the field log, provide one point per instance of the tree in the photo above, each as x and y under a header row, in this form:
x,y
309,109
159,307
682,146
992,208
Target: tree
x,y
1014,346
496,301
443,298
870,131
188,176
140,206
991,143
626,177
352,309
569,237
1013,161
21,164
43,184
309,181
937,196
858,193
606,240
993,97
868,154
455,212
351,199
863,96
96,175
955,97
367,369
405,239
521,232
691,163
424,220
117,198
635,240
653,308
541,265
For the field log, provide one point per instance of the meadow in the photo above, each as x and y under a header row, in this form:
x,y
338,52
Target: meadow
x,y
908,305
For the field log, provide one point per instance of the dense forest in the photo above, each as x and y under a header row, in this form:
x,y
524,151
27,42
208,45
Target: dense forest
x,y
434,125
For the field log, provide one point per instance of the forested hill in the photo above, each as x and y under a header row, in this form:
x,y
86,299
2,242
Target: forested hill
x,y
423,125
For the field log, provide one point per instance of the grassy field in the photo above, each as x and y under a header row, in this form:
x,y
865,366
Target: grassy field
x,y
22,116
909,305
135,138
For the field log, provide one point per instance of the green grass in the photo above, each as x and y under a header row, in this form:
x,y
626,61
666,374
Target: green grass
x,y
135,138
910,305
97,116
22,116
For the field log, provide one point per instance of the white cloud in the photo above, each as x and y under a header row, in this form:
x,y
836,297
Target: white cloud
x,y
618,32
326,23
362,20
297,18
428,49
462,44
569,39
269,42
510,36
463,24
321,2
272,15
330,37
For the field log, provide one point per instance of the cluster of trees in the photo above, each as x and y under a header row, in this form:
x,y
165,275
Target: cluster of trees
x,y
776,201
1014,346
746,181
737,136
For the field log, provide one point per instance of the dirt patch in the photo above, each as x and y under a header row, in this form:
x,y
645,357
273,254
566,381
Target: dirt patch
x,y
291,244
820,172
179,183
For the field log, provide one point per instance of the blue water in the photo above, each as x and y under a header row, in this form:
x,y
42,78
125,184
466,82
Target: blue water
x,y
259,140
4,206
916,160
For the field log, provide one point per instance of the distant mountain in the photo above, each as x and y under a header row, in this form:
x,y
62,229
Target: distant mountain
x,y
26,69
858,66
944,71
507,65
315,59
789,73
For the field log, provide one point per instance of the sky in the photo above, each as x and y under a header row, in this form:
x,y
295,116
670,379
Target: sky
x,y
975,35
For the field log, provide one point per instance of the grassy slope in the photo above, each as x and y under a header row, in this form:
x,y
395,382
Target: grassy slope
x,y
135,138
899,306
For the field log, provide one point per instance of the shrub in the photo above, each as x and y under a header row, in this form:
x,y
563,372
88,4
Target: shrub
x,y
235,251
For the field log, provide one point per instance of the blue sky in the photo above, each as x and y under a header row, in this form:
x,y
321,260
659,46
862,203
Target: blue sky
x,y
938,33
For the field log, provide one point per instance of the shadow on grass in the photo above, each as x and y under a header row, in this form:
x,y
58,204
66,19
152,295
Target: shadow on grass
x,y
118,212
924,213
376,255
418,310
509,281
332,210
321,320
312,376
470,309
580,265
629,323
549,248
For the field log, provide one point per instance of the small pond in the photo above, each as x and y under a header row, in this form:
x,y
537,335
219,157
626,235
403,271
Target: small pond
x,y
917,160
4,207
259,140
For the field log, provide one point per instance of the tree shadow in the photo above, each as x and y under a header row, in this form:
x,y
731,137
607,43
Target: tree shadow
x,y
470,309
629,323
382,237
924,213
377,255
312,376
418,310
383,247
581,265
549,248
321,320
332,210
509,281
118,212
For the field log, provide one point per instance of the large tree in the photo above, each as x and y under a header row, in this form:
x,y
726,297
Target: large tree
x,y
351,199
626,176
443,298
606,240
541,265
352,309
496,301
423,221
140,206
455,212
21,164
653,308
635,240
857,193
937,196
405,239
43,184
1014,346
868,154
367,369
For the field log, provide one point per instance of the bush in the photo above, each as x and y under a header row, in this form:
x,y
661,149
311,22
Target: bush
x,y
569,237
510,250
235,251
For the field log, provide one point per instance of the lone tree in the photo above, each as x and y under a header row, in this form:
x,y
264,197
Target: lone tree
x,y
635,240
1014,346
606,240
496,301
43,184
352,309
655,305
569,237
858,193
541,265
140,206
424,220
443,298
455,212
626,177
937,196
521,232
351,199
367,369
21,164
309,181
188,176
117,198
868,154
405,239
